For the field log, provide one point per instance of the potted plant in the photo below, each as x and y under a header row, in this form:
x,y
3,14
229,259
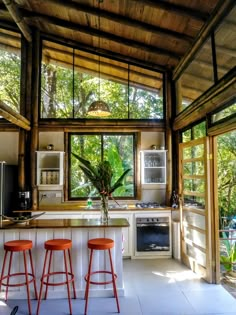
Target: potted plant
x,y
100,176
229,258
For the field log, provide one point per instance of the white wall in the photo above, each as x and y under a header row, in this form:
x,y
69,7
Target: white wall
x,y
55,138
9,147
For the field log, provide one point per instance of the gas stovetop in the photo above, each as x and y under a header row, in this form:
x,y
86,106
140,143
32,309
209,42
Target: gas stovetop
x,y
148,205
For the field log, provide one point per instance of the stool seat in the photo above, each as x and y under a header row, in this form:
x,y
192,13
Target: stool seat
x,y
58,244
23,246
100,243
18,246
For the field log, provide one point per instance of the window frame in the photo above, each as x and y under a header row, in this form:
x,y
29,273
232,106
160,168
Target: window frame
x,y
105,133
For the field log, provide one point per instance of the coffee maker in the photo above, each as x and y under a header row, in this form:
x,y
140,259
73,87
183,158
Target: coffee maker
x,y
24,200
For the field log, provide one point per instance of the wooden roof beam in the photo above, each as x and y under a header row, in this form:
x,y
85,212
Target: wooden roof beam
x,y
104,35
18,18
9,114
122,20
220,11
175,9
106,53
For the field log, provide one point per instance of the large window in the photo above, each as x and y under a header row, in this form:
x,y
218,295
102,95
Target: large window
x,y
72,79
118,149
10,68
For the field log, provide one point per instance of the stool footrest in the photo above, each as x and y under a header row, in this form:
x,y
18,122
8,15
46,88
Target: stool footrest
x,y
57,273
100,282
17,284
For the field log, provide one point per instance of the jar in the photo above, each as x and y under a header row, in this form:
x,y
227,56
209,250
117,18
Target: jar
x,y
50,147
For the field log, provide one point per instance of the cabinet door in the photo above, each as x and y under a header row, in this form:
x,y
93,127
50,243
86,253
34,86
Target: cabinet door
x,y
127,247
153,166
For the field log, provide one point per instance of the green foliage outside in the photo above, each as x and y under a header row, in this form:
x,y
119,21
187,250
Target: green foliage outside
x,y
228,258
226,163
10,71
116,149
60,99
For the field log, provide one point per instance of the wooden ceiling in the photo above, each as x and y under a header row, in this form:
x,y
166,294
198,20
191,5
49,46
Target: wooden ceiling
x,y
157,35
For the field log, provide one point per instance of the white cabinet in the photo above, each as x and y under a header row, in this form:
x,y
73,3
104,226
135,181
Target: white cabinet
x,y
50,170
153,167
127,246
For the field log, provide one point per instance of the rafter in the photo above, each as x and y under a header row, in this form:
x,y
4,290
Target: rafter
x,y
101,34
106,53
19,20
141,26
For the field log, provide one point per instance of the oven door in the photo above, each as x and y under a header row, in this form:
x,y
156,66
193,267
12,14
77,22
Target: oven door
x,y
153,238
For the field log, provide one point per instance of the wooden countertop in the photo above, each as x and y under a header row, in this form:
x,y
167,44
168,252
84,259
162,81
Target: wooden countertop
x,y
64,223
78,208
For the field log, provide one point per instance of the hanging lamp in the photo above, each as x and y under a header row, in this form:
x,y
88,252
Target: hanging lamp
x,y
99,108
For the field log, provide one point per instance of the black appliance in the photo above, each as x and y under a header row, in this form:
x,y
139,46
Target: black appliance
x,y
24,200
153,234
8,188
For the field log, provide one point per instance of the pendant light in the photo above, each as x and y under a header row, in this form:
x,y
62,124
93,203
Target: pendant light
x,y
99,108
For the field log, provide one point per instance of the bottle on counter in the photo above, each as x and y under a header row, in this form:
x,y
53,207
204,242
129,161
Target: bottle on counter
x,y
174,200
89,203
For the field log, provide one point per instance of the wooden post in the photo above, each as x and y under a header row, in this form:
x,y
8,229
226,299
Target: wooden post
x,y
168,98
35,109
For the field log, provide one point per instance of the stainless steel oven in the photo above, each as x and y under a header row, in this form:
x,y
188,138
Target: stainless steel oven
x,y
153,235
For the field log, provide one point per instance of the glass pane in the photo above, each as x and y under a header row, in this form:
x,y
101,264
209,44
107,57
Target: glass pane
x,y
196,254
194,185
226,112
197,78
88,147
56,82
145,94
195,236
193,152
194,219
199,131
186,135
225,40
194,201
10,69
118,150
194,168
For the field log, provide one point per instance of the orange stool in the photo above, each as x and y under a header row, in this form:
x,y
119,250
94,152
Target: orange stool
x,y
19,246
51,246
100,244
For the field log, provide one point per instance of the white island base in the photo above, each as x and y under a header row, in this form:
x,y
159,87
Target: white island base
x,y
80,257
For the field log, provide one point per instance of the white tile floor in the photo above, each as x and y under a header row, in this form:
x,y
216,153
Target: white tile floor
x,y
152,287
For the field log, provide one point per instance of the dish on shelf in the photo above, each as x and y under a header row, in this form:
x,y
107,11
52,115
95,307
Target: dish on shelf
x,y
22,218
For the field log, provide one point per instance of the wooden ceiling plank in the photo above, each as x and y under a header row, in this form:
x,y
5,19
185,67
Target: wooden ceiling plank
x,y
122,20
175,9
132,60
100,34
19,20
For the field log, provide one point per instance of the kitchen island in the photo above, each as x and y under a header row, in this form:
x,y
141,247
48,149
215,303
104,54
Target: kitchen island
x,y
79,231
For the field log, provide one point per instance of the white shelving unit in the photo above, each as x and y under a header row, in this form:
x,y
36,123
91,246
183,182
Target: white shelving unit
x,y
50,170
153,167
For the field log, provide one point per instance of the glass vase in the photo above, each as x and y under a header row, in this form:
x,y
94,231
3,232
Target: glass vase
x,y
104,209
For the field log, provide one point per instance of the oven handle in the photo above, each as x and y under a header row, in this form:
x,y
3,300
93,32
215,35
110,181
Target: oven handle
x,y
152,224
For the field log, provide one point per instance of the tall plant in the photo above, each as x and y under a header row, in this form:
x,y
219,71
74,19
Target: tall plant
x,y
100,176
